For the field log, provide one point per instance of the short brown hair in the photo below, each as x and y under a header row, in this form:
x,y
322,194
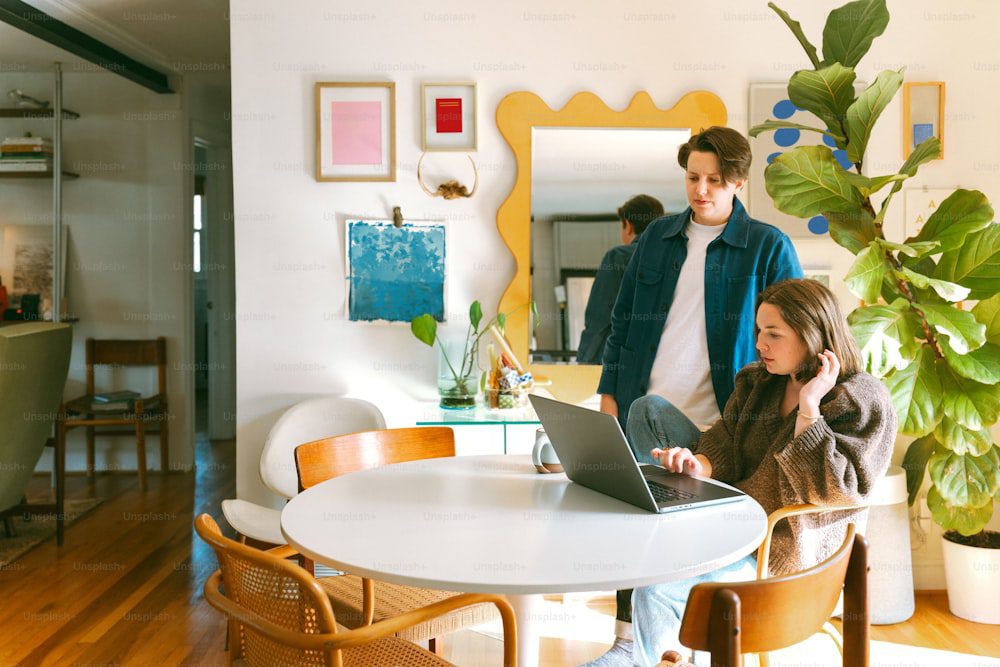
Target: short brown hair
x,y
731,147
812,311
640,210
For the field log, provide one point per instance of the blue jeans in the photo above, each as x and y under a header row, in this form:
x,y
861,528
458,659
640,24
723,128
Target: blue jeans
x,y
653,421
657,610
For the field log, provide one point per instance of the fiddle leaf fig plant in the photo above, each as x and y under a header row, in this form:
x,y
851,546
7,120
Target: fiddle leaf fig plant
x,y
940,362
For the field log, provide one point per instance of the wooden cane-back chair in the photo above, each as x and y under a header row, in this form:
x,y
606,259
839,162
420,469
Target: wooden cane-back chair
x,y
729,619
279,615
359,601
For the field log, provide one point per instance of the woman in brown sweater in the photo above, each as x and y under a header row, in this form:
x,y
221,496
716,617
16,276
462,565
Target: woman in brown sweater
x,y
804,425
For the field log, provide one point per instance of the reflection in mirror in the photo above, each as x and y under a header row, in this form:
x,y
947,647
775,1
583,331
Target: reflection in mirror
x,y
579,179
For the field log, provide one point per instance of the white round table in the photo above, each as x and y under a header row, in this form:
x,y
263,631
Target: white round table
x,y
491,524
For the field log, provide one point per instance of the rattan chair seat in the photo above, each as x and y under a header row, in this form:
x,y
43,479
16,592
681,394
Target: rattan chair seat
x,y
393,599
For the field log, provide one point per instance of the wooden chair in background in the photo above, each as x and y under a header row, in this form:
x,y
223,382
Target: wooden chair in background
x,y
360,601
729,619
279,615
146,415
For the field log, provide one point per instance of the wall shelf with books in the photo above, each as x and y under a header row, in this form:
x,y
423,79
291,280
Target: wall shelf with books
x,y
25,155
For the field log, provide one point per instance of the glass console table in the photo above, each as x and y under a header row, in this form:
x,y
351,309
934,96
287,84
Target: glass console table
x,y
511,422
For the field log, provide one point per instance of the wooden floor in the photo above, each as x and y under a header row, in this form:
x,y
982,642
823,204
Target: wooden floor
x,y
125,588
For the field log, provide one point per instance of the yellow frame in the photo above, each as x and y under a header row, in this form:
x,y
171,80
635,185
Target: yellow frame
x,y
391,176
907,125
517,113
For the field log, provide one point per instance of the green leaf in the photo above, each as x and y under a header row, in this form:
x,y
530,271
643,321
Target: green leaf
x,y
914,249
961,213
976,264
865,276
886,336
961,440
854,230
869,186
981,364
927,150
966,520
915,463
424,327
475,315
988,312
916,394
851,29
964,332
534,314
501,321
796,29
972,404
771,125
923,265
946,290
808,181
864,112
826,92
963,479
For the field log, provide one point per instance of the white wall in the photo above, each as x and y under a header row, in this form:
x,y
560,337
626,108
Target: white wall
x,y
127,261
293,336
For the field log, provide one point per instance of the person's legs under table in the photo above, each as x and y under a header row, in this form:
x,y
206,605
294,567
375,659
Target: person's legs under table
x,y
653,421
657,610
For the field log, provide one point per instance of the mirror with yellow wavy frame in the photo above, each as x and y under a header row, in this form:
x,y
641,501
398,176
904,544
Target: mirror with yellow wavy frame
x,y
524,120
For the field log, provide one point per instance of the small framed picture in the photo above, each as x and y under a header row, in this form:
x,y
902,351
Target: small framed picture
x,y
448,116
820,274
355,131
923,114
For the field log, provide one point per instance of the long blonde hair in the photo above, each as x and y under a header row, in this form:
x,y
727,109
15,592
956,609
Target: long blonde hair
x,y
812,311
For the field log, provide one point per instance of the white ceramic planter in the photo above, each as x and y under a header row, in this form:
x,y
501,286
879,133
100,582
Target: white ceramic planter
x,y
973,577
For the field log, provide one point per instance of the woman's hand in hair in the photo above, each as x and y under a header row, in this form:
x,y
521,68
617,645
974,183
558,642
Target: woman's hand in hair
x,y
681,459
826,378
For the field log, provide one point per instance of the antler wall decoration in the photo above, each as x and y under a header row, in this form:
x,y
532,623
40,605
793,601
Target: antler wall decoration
x,y
450,189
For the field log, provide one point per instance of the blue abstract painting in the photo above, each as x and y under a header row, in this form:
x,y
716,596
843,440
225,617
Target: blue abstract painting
x,y
395,273
767,101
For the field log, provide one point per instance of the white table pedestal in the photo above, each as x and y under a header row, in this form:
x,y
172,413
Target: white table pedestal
x,y
526,609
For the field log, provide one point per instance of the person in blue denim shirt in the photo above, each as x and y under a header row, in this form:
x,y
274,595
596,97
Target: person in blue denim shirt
x,y
635,215
683,323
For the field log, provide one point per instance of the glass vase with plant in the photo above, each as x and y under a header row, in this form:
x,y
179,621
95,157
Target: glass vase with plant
x,y
460,377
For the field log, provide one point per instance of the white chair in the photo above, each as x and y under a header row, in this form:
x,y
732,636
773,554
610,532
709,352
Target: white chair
x,y
303,422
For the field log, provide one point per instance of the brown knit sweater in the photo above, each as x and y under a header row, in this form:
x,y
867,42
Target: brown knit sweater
x,y
836,460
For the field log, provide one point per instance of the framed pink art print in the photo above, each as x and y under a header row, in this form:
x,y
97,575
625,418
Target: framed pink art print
x,y
355,131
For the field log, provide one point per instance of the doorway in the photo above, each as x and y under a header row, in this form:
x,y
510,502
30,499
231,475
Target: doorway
x,y
213,274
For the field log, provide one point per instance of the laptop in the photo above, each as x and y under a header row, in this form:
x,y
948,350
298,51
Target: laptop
x,y
594,452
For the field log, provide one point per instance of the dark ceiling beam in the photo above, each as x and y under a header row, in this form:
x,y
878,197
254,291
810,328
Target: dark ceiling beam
x,y
50,29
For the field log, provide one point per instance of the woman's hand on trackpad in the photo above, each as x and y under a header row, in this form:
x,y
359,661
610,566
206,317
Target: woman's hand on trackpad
x,y
678,459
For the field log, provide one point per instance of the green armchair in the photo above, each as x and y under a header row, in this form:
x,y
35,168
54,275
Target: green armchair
x,y
34,361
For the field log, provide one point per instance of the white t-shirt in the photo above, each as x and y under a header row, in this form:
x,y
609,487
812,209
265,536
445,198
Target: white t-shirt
x,y
682,371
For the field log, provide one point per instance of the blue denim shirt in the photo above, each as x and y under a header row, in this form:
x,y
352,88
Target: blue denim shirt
x,y
746,258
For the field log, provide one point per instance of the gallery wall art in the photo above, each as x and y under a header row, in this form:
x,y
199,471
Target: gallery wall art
x,y
395,273
767,101
355,131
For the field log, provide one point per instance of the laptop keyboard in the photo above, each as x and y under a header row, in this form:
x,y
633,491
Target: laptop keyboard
x,y
666,493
